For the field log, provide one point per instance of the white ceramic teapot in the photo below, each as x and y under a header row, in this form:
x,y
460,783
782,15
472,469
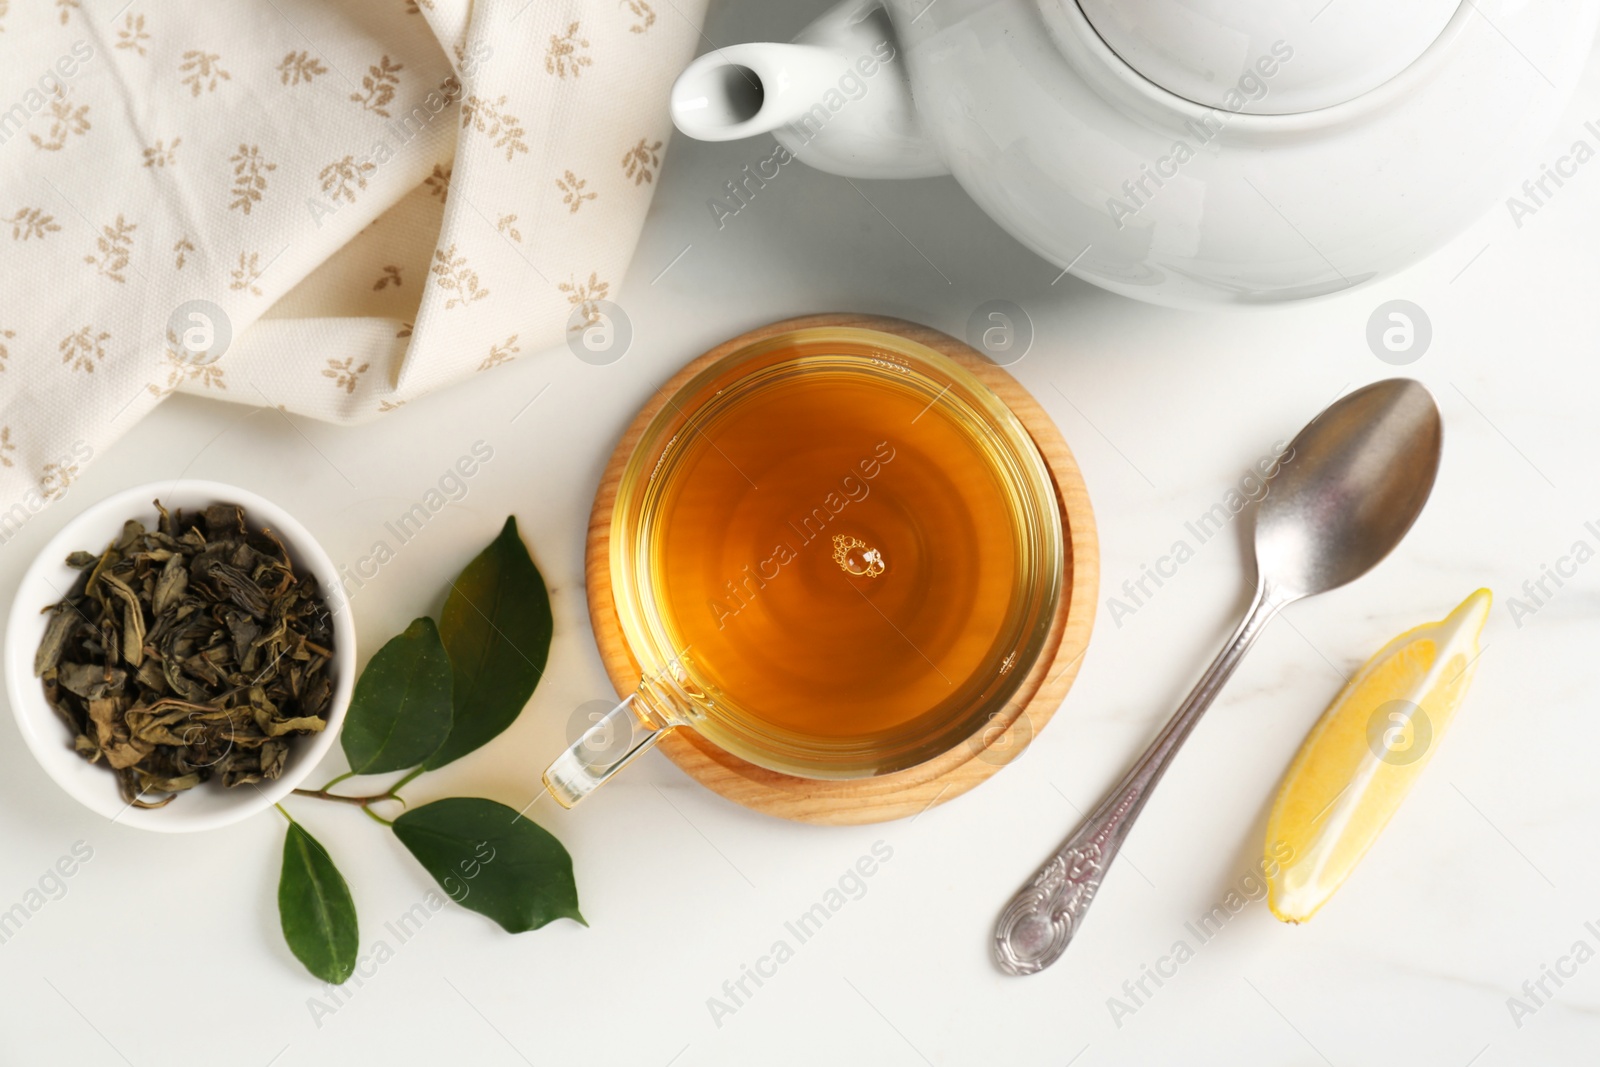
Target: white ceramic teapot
x,y
1185,152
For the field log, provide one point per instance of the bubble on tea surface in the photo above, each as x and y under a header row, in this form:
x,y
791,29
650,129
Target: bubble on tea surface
x,y
855,556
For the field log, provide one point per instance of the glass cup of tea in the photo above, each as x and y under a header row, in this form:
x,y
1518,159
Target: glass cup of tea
x,y
834,553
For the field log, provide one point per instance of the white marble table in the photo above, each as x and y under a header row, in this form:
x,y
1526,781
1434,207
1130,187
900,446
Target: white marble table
x,y
165,949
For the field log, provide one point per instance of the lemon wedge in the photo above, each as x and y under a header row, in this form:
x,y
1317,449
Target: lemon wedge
x,y
1363,756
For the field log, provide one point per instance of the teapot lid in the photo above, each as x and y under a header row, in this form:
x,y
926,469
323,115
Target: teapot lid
x,y
1277,58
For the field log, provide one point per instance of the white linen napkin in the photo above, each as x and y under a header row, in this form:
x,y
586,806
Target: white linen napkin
x,y
327,207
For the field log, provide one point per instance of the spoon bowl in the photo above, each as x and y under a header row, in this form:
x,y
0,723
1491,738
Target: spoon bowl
x,y
1354,481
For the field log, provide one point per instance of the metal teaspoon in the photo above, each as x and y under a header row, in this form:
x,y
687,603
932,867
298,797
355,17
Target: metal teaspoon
x,y
1350,487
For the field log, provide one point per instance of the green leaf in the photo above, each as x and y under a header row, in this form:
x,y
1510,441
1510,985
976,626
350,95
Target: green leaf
x,y
493,861
400,713
319,918
496,626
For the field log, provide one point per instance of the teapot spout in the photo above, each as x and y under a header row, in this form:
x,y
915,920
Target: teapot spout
x,y
839,99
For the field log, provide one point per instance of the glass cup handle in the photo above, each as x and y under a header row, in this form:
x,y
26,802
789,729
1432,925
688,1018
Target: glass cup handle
x,y
613,742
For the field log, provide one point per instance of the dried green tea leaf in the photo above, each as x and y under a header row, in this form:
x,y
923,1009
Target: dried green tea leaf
x,y
492,861
400,713
170,587
132,619
56,631
316,909
496,625
188,652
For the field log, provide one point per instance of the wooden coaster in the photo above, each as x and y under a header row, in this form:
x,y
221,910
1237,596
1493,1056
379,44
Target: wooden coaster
x,y
914,790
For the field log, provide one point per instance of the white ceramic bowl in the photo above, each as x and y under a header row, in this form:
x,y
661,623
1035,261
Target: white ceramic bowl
x,y
48,578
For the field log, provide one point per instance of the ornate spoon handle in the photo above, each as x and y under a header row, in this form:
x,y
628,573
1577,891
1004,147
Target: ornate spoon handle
x,y
1042,918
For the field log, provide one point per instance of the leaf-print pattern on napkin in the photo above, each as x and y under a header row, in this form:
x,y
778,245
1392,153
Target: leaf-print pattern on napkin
x,y
341,178
438,183
248,273
162,154
250,171
31,222
586,296
202,71
83,348
56,478
378,86
452,274
488,117
572,190
132,36
640,161
65,121
297,67
114,249
644,15
344,374
567,53
503,352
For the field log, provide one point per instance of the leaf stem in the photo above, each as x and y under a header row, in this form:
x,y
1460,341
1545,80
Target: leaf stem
x,y
285,813
375,798
335,781
375,817
394,789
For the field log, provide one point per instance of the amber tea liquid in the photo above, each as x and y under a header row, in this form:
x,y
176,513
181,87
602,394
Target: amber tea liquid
x,y
838,553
